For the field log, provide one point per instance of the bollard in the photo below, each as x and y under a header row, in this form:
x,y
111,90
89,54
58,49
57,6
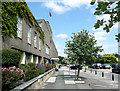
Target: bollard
x,y
102,74
91,71
112,77
95,72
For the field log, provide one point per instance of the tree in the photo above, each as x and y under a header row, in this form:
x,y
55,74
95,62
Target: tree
x,y
110,58
60,59
111,7
82,48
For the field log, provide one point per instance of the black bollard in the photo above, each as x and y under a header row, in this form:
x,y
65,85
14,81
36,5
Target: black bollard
x,y
95,72
102,74
112,77
91,71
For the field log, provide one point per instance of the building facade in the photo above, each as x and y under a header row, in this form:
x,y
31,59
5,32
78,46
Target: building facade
x,y
30,43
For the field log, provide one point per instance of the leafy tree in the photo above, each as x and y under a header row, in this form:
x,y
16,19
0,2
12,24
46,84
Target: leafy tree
x,y
110,58
82,48
60,59
110,7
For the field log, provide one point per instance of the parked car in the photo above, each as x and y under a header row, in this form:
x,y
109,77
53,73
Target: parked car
x,y
116,68
96,65
105,66
75,66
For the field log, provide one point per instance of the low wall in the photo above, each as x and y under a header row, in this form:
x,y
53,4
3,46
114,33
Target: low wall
x,y
33,83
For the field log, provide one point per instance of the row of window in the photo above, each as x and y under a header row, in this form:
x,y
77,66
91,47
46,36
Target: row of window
x,y
19,34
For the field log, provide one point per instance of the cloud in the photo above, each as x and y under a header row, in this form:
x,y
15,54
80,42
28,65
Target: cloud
x,y
56,8
62,6
97,29
108,46
62,36
100,35
76,3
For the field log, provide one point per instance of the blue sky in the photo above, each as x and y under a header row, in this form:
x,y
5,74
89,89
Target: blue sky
x,y
73,16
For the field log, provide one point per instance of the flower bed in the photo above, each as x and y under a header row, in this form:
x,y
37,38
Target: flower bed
x,y
13,76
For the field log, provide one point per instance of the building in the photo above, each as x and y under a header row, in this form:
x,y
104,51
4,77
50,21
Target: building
x,y
30,43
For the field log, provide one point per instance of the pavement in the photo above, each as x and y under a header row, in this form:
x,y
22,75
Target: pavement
x,y
65,79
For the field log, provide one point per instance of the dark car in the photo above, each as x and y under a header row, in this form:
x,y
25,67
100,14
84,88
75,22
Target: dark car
x,y
116,68
96,65
106,66
74,67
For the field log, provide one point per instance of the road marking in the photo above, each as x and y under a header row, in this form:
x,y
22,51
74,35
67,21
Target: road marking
x,y
78,82
100,86
66,73
69,82
67,76
51,80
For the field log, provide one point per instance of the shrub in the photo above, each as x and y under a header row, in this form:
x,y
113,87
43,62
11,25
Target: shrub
x,y
10,77
53,65
10,57
47,67
31,71
41,68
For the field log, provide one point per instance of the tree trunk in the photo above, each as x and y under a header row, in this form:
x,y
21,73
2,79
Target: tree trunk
x,y
78,72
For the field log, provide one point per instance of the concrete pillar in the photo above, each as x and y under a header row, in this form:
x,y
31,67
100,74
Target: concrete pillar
x,y
23,58
42,60
37,60
31,58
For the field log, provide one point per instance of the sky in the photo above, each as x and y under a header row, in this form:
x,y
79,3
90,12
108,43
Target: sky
x,y
72,16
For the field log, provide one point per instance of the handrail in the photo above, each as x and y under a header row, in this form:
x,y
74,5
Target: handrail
x,y
28,83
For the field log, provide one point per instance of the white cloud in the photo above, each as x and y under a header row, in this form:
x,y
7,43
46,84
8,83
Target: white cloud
x,y
100,35
109,46
56,8
97,29
62,6
76,3
62,36
106,17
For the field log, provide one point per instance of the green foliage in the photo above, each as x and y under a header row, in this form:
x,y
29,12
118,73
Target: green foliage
x,y
53,65
10,78
110,58
47,67
10,57
10,10
60,59
112,8
81,48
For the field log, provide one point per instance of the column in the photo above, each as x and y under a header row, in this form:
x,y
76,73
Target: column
x,y
22,58
31,58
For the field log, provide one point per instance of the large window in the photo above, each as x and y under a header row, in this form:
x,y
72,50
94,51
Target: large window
x,y
35,40
29,34
39,44
27,59
19,27
47,49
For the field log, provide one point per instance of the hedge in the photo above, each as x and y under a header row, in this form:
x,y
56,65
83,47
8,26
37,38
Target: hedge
x,y
10,57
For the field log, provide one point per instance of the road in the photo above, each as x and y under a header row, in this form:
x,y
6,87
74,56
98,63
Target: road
x,y
65,79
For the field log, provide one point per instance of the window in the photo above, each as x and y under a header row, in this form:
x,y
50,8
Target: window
x,y
47,49
29,34
40,24
34,59
27,59
35,40
19,27
39,44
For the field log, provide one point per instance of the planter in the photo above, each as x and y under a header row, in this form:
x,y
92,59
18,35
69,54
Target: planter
x,y
33,83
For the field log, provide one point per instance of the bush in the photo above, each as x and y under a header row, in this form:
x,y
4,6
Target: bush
x,y
41,68
10,57
11,76
53,65
48,67
31,71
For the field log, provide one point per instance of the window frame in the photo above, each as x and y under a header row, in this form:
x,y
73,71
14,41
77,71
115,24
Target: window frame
x,y
19,25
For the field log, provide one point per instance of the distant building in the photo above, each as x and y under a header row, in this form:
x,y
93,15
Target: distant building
x,y
30,43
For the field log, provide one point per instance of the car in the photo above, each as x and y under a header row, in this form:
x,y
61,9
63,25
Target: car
x,y
116,68
96,65
106,66
75,66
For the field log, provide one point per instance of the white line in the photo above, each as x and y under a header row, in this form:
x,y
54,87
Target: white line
x,y
51,80
69,82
